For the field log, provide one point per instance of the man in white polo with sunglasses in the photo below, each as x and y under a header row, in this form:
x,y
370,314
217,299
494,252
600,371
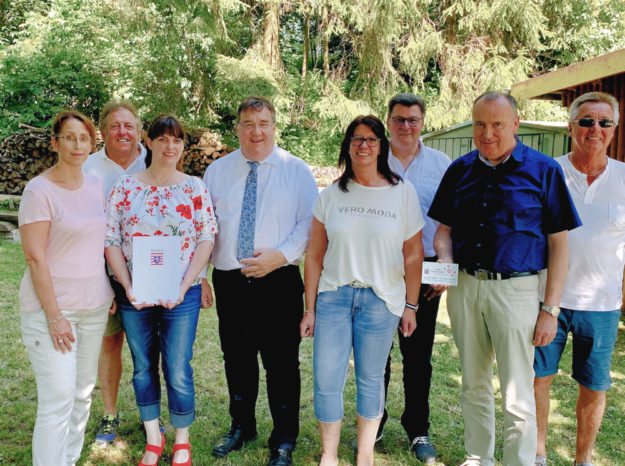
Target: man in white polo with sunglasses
x,y
592,296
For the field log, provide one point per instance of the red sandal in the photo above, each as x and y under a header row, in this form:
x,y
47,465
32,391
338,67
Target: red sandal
x,y
181,446
155,449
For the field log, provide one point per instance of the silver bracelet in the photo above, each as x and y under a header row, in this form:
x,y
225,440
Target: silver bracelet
x,y
312,312
54,321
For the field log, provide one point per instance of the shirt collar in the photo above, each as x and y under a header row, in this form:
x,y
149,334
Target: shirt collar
x,y
516,154
390,153
142,153
271,160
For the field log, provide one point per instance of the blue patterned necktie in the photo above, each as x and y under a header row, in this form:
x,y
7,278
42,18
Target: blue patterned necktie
x,y
247,226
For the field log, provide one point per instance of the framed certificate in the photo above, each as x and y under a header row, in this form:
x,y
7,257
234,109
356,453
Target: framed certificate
x,y
156,269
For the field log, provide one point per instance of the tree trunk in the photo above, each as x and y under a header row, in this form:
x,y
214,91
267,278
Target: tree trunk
x,y
326,44
306,45
271,38
220,26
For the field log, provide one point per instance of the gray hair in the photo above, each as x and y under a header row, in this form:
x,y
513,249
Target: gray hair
x,y
494,95
256,104
114,105
595,97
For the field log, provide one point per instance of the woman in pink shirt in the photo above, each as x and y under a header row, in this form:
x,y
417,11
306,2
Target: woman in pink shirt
x,y
65,294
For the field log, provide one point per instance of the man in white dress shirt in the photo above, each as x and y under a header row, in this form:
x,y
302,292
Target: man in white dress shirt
x,y
122,154
424,167
259,293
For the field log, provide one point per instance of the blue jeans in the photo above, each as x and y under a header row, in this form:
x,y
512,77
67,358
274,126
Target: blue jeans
x,y
351,317
594,337
156,331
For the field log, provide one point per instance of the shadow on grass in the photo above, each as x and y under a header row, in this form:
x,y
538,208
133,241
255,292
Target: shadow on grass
x,y
18,402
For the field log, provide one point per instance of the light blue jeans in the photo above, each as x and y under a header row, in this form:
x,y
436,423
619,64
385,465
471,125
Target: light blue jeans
x,y
351,317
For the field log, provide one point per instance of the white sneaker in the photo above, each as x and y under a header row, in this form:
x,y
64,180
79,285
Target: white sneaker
x,y
540,461
472,460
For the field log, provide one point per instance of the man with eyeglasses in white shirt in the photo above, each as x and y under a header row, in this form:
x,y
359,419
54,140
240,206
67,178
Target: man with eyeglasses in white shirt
x,y
423,167
263,198
122,154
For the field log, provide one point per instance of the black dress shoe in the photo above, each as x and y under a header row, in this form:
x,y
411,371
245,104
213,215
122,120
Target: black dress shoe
x,y
232,441
281,457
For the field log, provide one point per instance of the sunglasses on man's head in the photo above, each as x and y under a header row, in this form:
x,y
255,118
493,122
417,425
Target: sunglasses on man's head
x,y
590,122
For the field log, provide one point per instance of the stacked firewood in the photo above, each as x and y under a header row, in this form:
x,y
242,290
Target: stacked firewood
x,y
203,146
23,156
26,154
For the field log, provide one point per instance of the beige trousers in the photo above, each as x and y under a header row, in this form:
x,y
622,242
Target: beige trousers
x,y
496,319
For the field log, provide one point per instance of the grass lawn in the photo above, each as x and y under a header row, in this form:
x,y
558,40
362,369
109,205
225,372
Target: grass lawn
x,y
18,402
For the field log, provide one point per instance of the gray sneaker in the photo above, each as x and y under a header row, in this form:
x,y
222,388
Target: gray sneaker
x,y
540,461
423,449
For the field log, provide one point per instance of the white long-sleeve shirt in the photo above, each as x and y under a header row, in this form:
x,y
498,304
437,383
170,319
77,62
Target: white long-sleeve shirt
x,y
286,193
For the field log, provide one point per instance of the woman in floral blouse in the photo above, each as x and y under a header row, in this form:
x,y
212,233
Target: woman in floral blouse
x,y
162,201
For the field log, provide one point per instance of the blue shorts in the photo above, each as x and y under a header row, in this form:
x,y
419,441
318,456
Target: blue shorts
x,y
594,336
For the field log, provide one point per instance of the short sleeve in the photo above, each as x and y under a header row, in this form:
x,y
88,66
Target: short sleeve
x,y
441,209
414,221
320,206
560,212
204,217
34,207
116,203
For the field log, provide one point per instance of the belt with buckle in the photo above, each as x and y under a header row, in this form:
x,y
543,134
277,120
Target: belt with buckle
x,y
357,284
482,274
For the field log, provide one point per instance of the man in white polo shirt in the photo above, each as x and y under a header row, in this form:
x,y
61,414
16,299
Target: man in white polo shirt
x,y
122,154
592,297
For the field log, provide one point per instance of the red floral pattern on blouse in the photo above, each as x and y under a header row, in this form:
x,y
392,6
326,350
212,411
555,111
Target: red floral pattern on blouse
x,y
183,210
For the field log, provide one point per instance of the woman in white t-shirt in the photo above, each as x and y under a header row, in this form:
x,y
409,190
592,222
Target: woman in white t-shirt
x,y
65,294
362,277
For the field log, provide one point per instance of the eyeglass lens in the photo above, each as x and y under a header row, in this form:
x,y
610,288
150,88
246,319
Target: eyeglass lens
x,y
371,142
399,121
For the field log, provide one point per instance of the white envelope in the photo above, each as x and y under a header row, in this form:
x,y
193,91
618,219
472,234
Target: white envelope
x,y
434,273
156,269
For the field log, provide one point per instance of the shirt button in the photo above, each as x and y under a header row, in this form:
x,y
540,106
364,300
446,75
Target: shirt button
x,y
490,186
483,204
481,225
479,245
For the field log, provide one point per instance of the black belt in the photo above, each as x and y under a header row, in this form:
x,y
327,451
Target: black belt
x,y
482,274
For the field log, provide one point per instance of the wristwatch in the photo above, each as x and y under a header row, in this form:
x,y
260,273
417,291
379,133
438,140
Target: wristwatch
x,y
553,311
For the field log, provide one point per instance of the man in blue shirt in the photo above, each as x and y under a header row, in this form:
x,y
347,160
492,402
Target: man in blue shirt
x,y
504,211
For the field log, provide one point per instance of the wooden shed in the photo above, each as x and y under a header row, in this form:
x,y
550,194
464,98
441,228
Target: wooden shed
x,y
547,137
605,73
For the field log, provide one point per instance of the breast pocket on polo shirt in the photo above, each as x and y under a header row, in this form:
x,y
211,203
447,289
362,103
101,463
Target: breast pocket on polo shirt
x,y
617,215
